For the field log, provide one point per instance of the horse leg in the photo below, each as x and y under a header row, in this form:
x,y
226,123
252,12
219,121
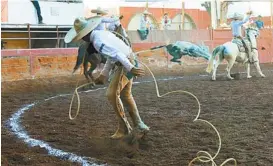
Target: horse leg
x,y
85,72
89,73
248,70
229,66
215,66
257,66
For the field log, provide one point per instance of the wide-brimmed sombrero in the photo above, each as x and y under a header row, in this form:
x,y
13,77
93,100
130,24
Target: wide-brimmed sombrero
x,y
99,11
81,28
237,16
146,12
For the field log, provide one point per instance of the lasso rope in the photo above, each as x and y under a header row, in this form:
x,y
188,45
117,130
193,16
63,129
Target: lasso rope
x,y
202,156
78,99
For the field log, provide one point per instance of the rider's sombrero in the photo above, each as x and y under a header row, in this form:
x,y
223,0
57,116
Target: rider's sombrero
x,y
146,12
237,16
81,28
99,11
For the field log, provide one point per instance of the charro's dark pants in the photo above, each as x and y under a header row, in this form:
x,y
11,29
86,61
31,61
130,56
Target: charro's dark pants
x,y
38,9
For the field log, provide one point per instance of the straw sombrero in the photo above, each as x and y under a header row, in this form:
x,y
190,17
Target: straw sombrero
x,y
81,28
237,16
146,12
99,11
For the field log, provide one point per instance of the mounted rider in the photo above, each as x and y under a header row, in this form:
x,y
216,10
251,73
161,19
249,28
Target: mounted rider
x,y
236,25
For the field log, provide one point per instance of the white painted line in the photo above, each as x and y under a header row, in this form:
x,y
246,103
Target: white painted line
x,y
15,126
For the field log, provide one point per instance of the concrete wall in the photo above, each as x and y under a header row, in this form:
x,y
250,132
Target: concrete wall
x,y
36,63
4,11
20,64
45,63
58,13
200,18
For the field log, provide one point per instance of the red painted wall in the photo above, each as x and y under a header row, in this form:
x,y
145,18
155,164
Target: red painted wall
x,y
200,18
52,62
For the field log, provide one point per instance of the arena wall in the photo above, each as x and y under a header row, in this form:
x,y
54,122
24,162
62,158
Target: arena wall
x,y
18,64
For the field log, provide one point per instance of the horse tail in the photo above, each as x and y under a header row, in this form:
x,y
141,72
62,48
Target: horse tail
x,y
217,51
80,58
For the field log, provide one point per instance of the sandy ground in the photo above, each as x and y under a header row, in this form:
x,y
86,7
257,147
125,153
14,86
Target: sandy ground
x,y
240,109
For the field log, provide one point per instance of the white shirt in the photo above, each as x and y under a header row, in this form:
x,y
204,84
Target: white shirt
x,y
104,20
236,26
145,24
107,43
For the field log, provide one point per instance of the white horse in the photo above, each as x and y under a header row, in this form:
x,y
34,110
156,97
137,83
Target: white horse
x,y
231,52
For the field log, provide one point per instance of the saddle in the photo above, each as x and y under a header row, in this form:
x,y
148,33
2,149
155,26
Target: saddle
x,y
240,44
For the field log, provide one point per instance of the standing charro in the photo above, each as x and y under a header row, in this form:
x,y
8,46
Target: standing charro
x,y
120,56
166,21
145,25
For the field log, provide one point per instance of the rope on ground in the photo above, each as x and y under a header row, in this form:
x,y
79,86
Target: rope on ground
x,y
202,156
78,99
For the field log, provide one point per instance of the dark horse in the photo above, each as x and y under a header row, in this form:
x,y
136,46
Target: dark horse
x,y
88,54
120,30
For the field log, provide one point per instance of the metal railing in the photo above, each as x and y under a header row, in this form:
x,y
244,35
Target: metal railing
x,y
55,29
59,32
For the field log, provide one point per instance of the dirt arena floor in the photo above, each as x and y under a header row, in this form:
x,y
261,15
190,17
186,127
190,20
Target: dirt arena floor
x,y
241,110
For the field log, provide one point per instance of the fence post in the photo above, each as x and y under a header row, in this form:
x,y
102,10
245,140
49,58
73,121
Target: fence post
x,y
58,40
31,61
29,36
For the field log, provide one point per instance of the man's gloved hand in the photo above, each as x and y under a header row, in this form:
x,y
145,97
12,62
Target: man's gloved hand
x,y
137,72
101,79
